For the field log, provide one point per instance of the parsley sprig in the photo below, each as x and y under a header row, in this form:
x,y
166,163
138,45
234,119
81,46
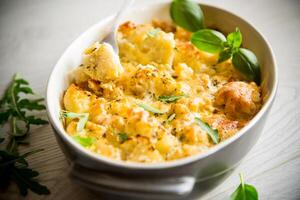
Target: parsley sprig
x,y
14,108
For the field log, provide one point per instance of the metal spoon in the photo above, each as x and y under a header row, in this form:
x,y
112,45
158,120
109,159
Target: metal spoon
x,y
111,38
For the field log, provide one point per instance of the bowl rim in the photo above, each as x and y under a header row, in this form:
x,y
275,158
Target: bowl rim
x,y
168,164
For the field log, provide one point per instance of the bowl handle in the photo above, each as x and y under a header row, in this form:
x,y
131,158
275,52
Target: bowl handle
x,y
131,185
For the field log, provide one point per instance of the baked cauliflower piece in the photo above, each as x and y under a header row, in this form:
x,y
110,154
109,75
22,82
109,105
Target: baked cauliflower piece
x,y
144,44
101,63
239,99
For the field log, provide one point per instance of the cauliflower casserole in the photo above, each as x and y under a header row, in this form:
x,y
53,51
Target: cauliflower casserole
x,y
143,107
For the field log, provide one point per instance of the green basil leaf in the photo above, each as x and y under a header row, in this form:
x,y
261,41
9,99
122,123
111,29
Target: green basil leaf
x,y
84,141
153,32
244,192
208,40
234,39
213,133
172,98
225,55
247,64
122,137
150,108
187,14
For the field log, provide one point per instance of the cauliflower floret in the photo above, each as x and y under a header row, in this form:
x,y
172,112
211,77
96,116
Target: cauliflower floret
x,y
240,99
148,79
226,127
144,152
144,44
101,63
183,72
77,100
167,144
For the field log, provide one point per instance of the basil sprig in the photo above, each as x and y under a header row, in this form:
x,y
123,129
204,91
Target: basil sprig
x,y
244,192
213,133
243,60
187,14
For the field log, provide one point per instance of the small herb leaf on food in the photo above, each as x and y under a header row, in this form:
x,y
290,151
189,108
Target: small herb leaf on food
x,y
84,141
234,39
150,108
244,192
213,133
187,14
153,32
225,55
247,64
208,40
83,118
122,137
171,117
172,98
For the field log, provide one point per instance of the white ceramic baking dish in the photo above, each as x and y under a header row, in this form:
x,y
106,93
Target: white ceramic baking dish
x,y
175,179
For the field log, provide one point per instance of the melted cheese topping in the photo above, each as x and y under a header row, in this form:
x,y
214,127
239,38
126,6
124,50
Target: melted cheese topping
x,y
156,60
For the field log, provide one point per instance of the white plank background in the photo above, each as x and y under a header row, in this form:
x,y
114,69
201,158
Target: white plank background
x,y
34,33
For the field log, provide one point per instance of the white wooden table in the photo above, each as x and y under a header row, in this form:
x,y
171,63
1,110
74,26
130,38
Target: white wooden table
x,y
34,33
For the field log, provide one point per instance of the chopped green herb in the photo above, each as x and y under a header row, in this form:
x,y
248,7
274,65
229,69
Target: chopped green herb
x,y
172,98
171,117
83,118
122,137
150,108
213,133
153,32
244,192
84,141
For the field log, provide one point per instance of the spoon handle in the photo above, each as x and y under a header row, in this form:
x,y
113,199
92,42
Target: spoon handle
x,y
112,37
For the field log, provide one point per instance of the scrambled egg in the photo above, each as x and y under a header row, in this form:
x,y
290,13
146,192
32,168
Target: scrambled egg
x,y
129,117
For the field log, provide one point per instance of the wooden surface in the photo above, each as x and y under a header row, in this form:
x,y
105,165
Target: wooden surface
x,y
34,33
